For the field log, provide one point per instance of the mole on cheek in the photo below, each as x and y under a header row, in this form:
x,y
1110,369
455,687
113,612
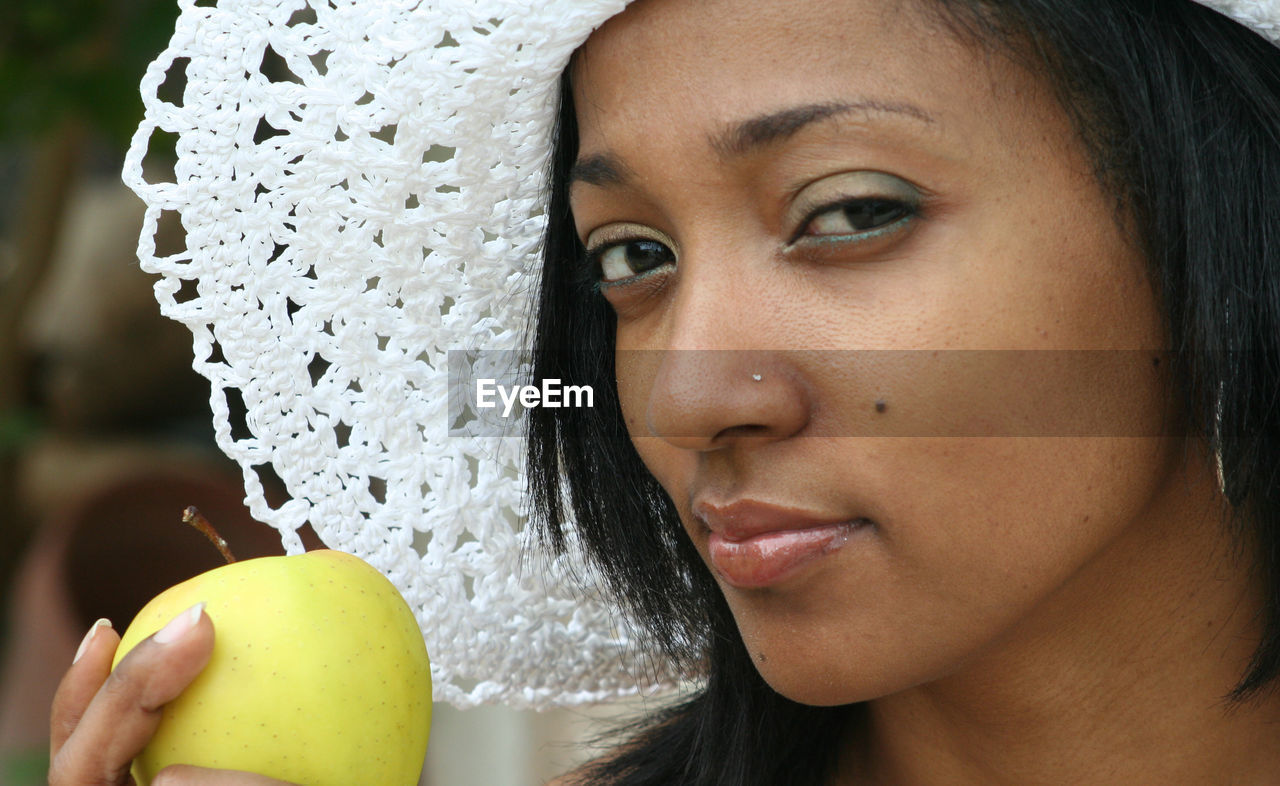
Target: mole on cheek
x,y
881,405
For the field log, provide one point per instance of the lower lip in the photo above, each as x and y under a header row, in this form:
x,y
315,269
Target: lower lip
x,y
772,557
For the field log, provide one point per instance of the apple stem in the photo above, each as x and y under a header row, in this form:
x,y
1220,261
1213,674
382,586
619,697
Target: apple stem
x,y
194,518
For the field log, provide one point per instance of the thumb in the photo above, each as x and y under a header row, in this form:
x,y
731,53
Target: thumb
x,y
123,715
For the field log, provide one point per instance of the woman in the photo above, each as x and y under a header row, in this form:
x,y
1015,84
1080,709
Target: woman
x,y
976,589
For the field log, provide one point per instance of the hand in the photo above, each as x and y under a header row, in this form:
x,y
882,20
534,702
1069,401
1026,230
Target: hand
x,y
103,719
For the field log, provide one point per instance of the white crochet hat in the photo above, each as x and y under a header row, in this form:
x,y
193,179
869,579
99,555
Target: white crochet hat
x,y
360,183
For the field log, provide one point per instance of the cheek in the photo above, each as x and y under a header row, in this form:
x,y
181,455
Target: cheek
x,y
635,370
991,518
671,466
992,529
1047,265
976,539
997,393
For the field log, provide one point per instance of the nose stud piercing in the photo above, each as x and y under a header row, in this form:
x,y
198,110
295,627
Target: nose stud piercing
x,y
757,377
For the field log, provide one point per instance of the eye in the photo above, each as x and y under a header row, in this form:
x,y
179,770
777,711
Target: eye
x,y
620,252
860,215
624,260
853,207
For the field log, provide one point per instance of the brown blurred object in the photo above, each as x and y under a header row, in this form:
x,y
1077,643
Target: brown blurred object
x,y
84,350
44,195
105,553
120,445
104,360
127,542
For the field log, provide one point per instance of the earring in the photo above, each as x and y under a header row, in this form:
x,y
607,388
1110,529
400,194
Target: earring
x,y
1217,442
1222,481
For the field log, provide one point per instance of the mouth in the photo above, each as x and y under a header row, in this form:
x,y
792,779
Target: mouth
x,y
754,545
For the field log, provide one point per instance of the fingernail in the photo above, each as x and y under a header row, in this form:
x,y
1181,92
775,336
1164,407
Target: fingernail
x,y
88,637
180,625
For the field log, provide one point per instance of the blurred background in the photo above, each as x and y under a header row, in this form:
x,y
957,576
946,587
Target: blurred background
x,y
105,433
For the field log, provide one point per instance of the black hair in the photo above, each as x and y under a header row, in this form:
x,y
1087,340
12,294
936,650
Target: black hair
x,y
1179,109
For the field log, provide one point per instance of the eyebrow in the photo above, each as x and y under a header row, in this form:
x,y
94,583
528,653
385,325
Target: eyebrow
x,y
744,137
606,169
601,169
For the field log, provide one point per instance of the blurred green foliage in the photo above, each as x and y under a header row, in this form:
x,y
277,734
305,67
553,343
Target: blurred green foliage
x,y
17,429
29,769
77,58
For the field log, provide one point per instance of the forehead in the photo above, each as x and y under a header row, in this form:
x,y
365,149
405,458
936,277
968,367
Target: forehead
x,y
664,71
746,31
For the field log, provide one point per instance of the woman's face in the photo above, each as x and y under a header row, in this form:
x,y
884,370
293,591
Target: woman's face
x,y
777,195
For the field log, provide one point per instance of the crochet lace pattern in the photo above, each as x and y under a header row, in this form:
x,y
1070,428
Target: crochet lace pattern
x,y
1263,16
360,187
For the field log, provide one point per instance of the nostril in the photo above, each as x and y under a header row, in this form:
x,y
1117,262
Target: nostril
x,y
744,431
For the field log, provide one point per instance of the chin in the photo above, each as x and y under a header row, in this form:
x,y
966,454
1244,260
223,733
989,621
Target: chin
x,y
820,693
828,685
841,659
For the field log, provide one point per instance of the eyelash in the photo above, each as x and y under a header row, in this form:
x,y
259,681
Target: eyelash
x,y
595,259
903,212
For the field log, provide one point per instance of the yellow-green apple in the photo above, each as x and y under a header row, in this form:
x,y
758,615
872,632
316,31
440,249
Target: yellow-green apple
x,y
319,674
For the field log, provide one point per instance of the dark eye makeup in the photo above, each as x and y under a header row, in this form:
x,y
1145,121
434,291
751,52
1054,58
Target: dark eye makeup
x,y
845,209
852,207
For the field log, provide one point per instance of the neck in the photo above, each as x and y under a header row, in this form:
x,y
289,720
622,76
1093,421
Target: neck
x,y
1121,676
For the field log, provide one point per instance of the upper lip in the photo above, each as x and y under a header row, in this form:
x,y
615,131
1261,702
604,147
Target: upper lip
x,y
746,518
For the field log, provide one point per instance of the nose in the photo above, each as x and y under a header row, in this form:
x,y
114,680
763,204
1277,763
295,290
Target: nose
x,y
706,399
728,372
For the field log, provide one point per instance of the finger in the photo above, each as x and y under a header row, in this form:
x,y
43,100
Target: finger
x,y
124,714
88,671
184,775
